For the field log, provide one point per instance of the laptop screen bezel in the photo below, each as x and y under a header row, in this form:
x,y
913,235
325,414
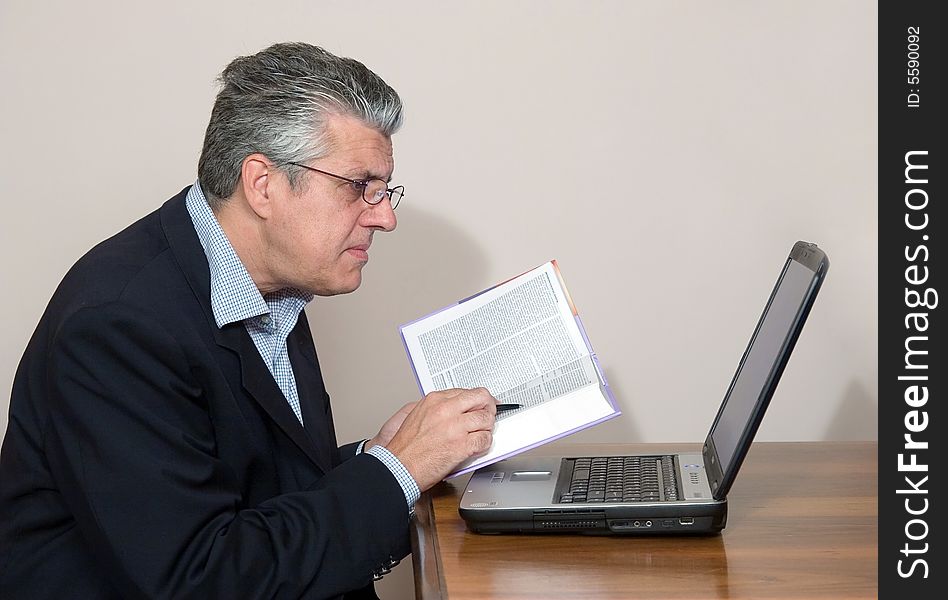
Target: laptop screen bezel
x,y
719,478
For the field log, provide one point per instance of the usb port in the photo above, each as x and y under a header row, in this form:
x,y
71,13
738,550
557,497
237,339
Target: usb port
x,y
686,521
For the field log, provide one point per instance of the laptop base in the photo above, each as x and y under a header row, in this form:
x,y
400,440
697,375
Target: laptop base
x,y
499,499
598,522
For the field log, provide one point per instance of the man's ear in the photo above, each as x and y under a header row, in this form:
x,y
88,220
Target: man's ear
x,y
255,172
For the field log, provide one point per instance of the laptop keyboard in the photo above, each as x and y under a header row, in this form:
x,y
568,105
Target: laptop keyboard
x,y
622,479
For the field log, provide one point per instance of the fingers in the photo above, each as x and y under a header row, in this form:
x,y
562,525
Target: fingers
x,y
479,420
469,399
475,409
448,393
479,442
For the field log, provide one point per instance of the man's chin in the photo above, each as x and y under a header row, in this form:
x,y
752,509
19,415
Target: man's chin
x,y
342,286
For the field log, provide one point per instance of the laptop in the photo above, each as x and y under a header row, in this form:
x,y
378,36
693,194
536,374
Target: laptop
x,y
674,493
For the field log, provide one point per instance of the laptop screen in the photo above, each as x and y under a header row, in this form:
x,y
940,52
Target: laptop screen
x,y
761,360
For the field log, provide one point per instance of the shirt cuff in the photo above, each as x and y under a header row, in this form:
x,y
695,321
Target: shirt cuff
x,y
404,478
360,447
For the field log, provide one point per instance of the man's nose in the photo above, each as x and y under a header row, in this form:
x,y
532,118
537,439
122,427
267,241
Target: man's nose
x,y
381,216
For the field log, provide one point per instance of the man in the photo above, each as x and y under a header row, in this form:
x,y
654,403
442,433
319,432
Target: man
x,y
170,434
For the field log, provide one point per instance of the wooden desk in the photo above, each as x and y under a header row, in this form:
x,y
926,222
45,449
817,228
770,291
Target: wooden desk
x,y
801,524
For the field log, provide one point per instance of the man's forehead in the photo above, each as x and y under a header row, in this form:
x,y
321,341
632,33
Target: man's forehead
x,y
351,136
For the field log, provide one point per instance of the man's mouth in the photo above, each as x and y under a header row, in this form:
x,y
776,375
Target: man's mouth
x,y
360,252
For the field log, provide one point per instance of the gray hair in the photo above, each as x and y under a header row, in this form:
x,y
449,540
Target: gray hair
x,y
276,102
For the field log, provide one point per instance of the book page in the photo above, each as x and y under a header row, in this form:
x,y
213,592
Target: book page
x,y
502,339
528,428
552,384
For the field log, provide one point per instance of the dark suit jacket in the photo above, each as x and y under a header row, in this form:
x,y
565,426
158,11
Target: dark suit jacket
x,y
151,454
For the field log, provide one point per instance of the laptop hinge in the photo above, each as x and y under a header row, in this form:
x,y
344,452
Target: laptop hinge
x,y
712,466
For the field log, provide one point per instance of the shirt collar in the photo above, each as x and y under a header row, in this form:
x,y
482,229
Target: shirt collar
x,y
234,296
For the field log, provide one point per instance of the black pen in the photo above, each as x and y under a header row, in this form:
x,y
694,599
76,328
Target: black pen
x,y
503,407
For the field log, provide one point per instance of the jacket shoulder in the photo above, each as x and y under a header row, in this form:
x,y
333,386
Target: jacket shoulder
x,y
136,266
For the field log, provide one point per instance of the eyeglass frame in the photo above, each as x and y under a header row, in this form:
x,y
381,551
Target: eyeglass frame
x,y
361,183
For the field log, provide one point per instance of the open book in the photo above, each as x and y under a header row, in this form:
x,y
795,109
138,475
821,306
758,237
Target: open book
x,y
524,342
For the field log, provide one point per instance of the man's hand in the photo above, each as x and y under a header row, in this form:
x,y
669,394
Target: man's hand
x,y
387,432
443,430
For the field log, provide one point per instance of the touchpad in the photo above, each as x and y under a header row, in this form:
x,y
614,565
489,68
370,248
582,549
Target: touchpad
x,y
531,475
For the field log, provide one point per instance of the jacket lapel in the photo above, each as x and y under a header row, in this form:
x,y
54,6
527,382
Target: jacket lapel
x,y
256,379
259,383
314,401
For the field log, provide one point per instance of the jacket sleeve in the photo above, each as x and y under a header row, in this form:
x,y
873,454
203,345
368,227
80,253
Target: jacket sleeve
x,y
349,450
131,446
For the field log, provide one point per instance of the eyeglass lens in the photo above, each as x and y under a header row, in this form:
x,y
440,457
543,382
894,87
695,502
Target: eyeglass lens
x,y
375,191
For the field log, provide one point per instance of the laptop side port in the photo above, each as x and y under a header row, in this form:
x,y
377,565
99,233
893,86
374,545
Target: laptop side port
x,y
628,525
686,521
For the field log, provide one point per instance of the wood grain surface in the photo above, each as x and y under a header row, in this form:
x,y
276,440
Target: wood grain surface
x,y
802,523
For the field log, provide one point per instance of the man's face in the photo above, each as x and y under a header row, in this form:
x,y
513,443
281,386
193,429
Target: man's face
x,y
319,237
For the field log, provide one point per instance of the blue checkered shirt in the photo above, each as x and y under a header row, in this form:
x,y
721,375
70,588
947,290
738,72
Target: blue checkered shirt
x,y
269,319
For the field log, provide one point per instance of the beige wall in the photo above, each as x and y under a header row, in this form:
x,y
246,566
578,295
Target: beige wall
x,y
667,154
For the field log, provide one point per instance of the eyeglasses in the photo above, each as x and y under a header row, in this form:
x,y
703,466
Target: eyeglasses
x,y
373,190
